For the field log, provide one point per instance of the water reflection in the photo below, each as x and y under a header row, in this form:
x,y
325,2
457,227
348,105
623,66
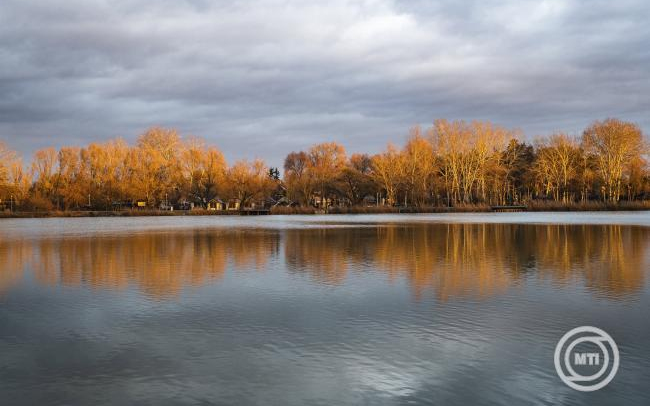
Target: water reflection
x,y
476,259
446,260
160,264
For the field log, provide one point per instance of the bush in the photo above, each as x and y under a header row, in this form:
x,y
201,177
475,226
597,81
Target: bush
x,y
37,203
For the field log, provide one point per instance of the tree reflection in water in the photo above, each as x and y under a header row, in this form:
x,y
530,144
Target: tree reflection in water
x,y
446,260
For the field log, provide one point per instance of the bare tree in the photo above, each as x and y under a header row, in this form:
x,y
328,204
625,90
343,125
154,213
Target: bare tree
x,y
386,171
615,144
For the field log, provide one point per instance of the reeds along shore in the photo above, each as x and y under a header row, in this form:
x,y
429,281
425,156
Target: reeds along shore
x,y
450,166
534,206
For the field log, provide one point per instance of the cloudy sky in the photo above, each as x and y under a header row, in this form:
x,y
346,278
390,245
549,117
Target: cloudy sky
x,y
260,78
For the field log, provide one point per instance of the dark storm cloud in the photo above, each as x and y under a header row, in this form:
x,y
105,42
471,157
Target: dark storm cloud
x,y
261,78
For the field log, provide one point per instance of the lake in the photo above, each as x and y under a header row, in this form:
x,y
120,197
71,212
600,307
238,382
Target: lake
x,y
449,309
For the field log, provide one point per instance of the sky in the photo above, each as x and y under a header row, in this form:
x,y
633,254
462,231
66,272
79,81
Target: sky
x,y
261,78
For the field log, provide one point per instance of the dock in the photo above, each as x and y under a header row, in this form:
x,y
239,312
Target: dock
x,y
254,212
512,208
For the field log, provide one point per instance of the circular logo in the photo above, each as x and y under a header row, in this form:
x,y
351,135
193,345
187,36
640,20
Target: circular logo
x,y
586,358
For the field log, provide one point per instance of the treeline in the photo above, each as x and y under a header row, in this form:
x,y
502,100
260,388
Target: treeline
x,y
451,163
161,169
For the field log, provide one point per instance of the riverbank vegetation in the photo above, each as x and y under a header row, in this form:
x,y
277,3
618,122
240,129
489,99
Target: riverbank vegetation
x,y
457,165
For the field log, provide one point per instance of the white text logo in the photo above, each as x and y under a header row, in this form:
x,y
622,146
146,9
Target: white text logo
x,y
595,357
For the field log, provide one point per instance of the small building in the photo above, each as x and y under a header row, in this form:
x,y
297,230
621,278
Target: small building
x,y
216,204
184,205
370,200
121,205
281,202
165,206
318,201
233,204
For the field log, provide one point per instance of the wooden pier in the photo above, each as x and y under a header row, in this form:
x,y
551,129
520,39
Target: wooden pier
x,y
508,208
254,212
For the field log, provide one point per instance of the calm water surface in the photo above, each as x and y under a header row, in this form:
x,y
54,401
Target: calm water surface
x,y
381,310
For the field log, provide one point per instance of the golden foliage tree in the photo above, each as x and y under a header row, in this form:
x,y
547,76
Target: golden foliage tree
x,y
467,152
450,163
297,177
355,179
615,144
386,170
417,168
326,161
204,170
14,180
558,160
156,163
248,182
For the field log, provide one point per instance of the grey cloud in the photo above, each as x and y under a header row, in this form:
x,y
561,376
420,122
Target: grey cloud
x,y
264,77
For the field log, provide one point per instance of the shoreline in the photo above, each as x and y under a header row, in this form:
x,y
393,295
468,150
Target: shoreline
x,y
534,208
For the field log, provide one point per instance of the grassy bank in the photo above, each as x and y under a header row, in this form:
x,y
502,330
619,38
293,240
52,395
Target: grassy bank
x,y
124,213
541,205
380,210
534,206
